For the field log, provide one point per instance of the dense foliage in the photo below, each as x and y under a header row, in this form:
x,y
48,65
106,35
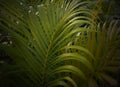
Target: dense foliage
x,y
58,43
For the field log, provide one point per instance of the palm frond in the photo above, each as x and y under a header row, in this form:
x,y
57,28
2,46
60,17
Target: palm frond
x,y
101,45
37,37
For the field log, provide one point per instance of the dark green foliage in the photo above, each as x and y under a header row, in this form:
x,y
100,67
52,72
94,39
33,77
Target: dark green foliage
x,y
58,44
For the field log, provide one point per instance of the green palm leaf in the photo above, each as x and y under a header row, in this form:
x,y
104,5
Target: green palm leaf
x,y
58,43
37,35
101,45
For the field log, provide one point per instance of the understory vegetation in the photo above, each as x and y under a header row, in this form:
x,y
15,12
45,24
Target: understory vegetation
x,y
58,43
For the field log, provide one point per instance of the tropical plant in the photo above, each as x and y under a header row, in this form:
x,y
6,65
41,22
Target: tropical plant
x,y
104,46
58,43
